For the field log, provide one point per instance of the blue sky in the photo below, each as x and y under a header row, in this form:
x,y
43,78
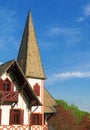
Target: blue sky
x,y
63,34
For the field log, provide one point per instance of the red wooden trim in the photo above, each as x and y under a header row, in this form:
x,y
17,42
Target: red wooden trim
x,y
10,96
40,119
13,127
32,118
11,118
21,116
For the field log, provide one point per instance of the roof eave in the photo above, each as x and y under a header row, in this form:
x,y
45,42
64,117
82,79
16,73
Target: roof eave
x,y
23,82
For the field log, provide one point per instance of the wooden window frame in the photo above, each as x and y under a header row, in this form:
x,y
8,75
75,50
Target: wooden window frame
x,y
36,119
16,117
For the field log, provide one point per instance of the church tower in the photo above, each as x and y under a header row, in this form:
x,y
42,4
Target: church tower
x,y
29,55
30,62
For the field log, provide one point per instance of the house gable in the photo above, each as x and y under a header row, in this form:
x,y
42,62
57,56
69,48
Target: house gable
x,y
14,72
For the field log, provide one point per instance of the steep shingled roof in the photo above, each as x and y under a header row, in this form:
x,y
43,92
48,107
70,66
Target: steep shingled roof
x,y
29,55
49,103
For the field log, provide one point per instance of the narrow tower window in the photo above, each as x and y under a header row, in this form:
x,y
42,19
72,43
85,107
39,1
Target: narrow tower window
x,y
37,89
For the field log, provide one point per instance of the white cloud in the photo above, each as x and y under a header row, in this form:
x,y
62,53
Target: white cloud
x,y
68,75
86,10
72,75
84,107
7,20
63,31
70,36
8,26
80,19
85,13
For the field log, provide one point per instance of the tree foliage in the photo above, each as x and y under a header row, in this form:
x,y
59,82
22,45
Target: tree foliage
x,y
69,117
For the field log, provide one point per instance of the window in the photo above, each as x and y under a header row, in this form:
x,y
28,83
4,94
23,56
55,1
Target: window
x,y
36,119
37,89
16,116
7,85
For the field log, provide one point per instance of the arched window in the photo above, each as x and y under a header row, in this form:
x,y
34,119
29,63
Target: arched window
x,y
7,85
36,88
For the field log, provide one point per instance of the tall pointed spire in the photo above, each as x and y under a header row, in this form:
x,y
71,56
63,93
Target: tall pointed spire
x,y
29,55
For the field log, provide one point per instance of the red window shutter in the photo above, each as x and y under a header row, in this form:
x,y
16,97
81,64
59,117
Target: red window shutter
x,y
40,119
11,120
32,119
0,115
37,89
12,86
21,117
1,84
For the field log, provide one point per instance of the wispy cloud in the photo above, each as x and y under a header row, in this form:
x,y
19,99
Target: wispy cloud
x,y
68,75
86,10
70,36
72,75
8,27
85,13
84,107
63,31
80,19
7,20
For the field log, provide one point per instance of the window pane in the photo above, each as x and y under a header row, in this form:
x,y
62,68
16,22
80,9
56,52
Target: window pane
x,y
36,119
16,116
